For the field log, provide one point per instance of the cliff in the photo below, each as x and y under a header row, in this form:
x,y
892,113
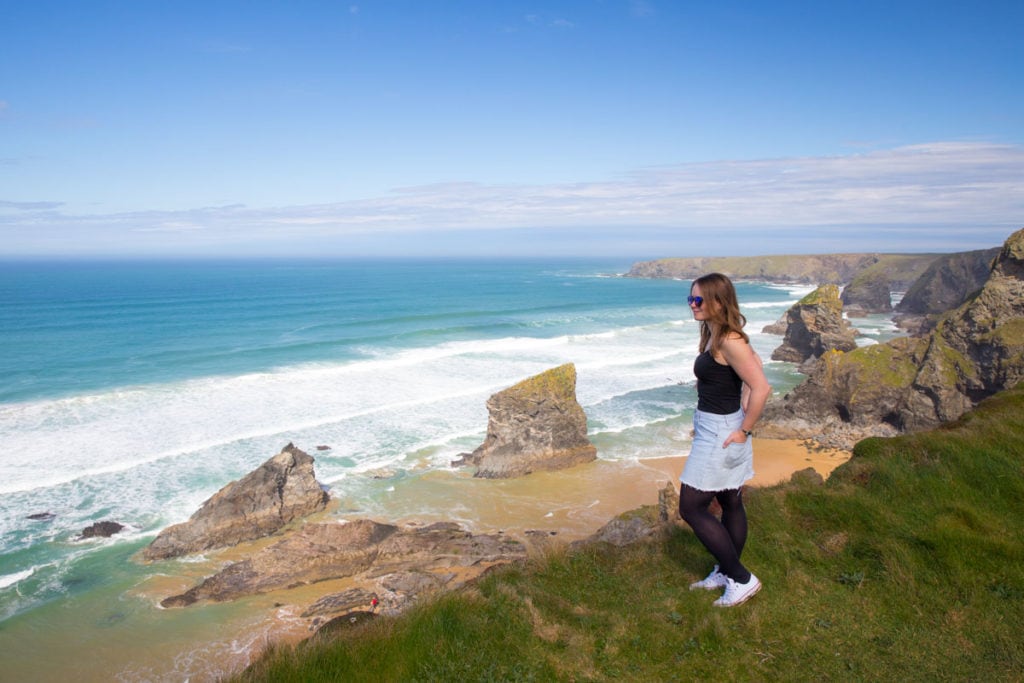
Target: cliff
x,y
801,268
947,282
535,425
870,290
910,384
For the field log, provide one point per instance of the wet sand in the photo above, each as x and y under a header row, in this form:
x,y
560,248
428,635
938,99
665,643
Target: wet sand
x,y
576,502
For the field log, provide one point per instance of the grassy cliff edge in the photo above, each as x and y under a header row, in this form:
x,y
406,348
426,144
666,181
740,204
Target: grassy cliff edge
x,y
908,563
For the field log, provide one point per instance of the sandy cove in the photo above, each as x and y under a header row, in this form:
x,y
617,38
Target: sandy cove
x,y
572,503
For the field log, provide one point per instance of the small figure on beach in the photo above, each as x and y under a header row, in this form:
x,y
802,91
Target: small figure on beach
x,y
731,394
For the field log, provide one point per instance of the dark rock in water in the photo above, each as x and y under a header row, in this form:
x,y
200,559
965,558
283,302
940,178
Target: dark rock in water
x,y
281,490
534,425
323,448
101,530
815,325
41,516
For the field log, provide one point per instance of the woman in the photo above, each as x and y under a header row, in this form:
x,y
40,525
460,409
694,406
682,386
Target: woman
x,y
722,458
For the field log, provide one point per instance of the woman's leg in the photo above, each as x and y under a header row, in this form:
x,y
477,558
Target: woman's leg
x,y
693,507
734,517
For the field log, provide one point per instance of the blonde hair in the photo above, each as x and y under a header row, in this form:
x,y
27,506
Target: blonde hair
x,y
717,289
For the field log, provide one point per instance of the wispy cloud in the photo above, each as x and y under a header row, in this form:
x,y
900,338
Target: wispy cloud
x,y
953,192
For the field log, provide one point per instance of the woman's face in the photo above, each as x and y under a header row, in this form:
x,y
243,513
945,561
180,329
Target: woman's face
x,y
698,311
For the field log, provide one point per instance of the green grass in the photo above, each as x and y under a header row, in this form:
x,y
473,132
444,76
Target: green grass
x,y
908,564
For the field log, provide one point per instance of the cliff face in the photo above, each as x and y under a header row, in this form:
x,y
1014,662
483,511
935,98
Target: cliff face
x,y
815,325
870,290
802,268
534,425
282,489
978,349
948,281
974,351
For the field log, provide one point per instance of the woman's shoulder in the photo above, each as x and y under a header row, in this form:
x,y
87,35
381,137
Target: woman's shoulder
x,y
734,337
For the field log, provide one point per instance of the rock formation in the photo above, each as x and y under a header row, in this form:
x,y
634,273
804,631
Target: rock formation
x,y
815,325
913,383
413,557
281,490
102,529
813,269
947,282
870,290
534,425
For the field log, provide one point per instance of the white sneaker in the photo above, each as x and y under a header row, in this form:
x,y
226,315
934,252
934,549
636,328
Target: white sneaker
x,y
738,593
715,579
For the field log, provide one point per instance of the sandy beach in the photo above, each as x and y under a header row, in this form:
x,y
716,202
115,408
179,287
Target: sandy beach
x,y
576,502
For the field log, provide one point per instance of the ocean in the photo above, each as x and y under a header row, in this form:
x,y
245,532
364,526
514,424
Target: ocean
x,y
135,390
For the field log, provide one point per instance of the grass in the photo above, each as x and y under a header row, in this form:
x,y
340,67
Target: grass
x,y
908,564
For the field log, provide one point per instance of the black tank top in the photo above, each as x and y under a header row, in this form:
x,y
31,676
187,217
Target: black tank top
x,y
718,386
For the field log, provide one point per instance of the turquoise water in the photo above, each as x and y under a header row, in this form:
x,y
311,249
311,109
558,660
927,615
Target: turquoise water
x,y
133,391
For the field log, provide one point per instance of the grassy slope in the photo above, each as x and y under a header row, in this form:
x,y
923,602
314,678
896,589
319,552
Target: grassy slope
x,y
907,565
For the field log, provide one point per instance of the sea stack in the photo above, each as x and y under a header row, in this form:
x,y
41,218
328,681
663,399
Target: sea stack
x,y
815,325
281,490
535,425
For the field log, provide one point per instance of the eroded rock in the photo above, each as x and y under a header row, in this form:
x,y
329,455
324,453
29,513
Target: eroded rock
x,y
360,548
815,325
281,490
915,383
534,425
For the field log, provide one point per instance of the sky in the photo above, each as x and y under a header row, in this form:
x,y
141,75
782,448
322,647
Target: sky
x,y
592,128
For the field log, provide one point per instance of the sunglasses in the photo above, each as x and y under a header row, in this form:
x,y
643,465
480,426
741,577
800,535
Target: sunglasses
x,y
695,300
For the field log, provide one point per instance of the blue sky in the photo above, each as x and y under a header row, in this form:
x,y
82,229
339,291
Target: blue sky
x,y
591,128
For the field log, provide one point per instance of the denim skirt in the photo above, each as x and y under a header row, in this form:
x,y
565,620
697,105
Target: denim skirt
x,y
709,467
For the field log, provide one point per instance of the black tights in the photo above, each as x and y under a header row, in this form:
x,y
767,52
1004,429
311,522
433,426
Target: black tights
x,y
723,538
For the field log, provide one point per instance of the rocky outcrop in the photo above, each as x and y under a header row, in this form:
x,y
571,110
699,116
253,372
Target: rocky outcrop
x,y
870,290
948,282
916,383
813,269
104,529
281,490
408,558
815,325
534,425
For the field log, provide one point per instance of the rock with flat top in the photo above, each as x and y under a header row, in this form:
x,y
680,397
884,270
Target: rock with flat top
x,y
534,425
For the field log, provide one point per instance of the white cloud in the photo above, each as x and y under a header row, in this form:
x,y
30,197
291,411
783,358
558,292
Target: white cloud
x,y
953,191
